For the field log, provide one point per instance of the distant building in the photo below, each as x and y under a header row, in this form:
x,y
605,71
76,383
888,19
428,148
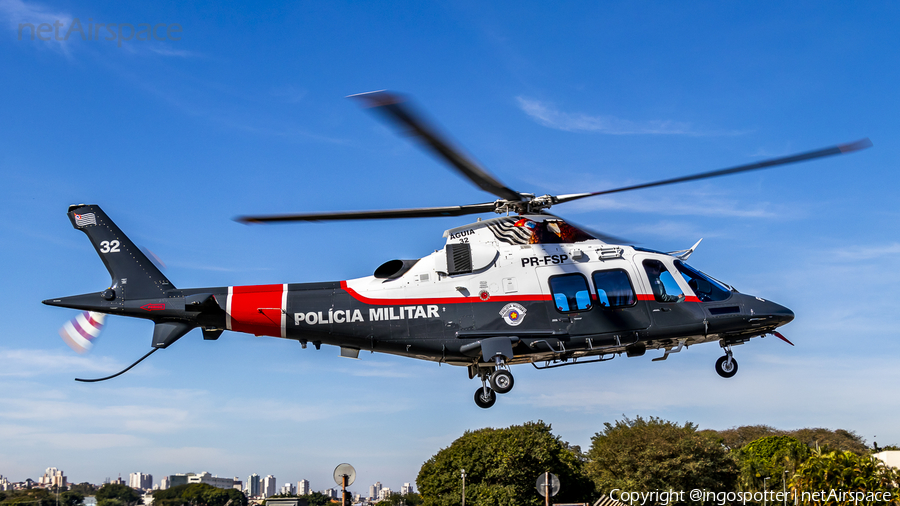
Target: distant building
x,y
178,479
252,488
384,493
287,489
5,484
209,479
332,493
164,483
303,487
406,489
890,458
52,477
375,490
268,486
118,481
140,481
238,484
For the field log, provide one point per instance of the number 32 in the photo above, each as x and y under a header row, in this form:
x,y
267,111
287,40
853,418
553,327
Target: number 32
x,y
109,246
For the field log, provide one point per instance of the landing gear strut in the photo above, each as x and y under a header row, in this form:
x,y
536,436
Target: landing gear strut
x,y
726,366
484,396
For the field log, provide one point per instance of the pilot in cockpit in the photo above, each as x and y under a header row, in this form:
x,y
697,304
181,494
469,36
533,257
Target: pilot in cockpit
x,y
654,269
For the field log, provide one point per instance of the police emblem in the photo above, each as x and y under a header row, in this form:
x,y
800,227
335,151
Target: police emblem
x,y
513,313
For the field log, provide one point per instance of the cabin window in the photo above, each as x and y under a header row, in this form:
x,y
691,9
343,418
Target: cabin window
x,y
706,288
663,285
570,293
614,288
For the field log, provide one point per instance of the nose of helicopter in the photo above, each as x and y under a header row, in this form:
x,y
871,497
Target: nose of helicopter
x,y
774,313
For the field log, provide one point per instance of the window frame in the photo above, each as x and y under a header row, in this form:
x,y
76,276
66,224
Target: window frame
x,y
553,294
634,294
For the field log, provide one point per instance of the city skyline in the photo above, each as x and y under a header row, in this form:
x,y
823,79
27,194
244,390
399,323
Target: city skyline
x,y
246,114
54,477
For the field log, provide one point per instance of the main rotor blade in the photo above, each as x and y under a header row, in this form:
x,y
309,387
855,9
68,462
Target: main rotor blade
x,y
394,107
809,155
420,212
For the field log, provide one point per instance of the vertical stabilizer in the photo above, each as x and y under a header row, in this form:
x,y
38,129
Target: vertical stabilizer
x,y
133,275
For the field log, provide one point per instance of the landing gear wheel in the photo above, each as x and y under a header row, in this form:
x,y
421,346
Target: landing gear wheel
x,y
485,401
725,367
502,381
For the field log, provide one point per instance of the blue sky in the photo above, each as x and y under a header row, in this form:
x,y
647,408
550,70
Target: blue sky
x,y
246,114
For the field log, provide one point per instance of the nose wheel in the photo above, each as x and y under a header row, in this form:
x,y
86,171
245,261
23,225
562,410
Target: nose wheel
x,y
485,397
726,366
493,381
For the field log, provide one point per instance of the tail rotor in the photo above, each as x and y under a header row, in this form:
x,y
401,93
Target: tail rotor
x,y
81,332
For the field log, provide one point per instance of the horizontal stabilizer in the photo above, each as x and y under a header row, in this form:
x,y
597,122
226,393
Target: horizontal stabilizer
x,y
166,333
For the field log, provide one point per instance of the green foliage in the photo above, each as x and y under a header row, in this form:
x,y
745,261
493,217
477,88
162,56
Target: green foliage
x,y
112,491
29,497
502,466
198,494
396,499
770,457
83,488
71,498
846,472
736,437
827,440
317,499
654,454
839,440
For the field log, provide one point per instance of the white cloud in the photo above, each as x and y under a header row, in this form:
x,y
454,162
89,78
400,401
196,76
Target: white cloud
x,y
24,363
695,203
868,252
18,13
549,116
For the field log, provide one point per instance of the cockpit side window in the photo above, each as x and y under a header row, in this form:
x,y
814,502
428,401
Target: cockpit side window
x,y
664,287
570,293
706,288
614,288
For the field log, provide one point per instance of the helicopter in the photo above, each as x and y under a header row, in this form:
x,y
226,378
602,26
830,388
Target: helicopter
x,y
524,287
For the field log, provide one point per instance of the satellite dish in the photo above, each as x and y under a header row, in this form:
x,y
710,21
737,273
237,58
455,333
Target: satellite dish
x,y
542,484
344,470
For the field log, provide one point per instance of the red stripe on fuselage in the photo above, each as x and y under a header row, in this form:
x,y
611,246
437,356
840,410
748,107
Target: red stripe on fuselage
x,y
439,300
649,296
257,309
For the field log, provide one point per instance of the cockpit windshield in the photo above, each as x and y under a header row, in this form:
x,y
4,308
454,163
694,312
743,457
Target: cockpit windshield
x,y
706,288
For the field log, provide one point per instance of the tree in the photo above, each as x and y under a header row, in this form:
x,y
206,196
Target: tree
x,y
396,499
198,494
83,488
502,466
736,437
770,457
29,497
113,494
832,440
654,454
317,499
71,498
844,472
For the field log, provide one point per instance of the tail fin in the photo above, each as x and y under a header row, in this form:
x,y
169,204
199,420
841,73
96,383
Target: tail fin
x,y
132,274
